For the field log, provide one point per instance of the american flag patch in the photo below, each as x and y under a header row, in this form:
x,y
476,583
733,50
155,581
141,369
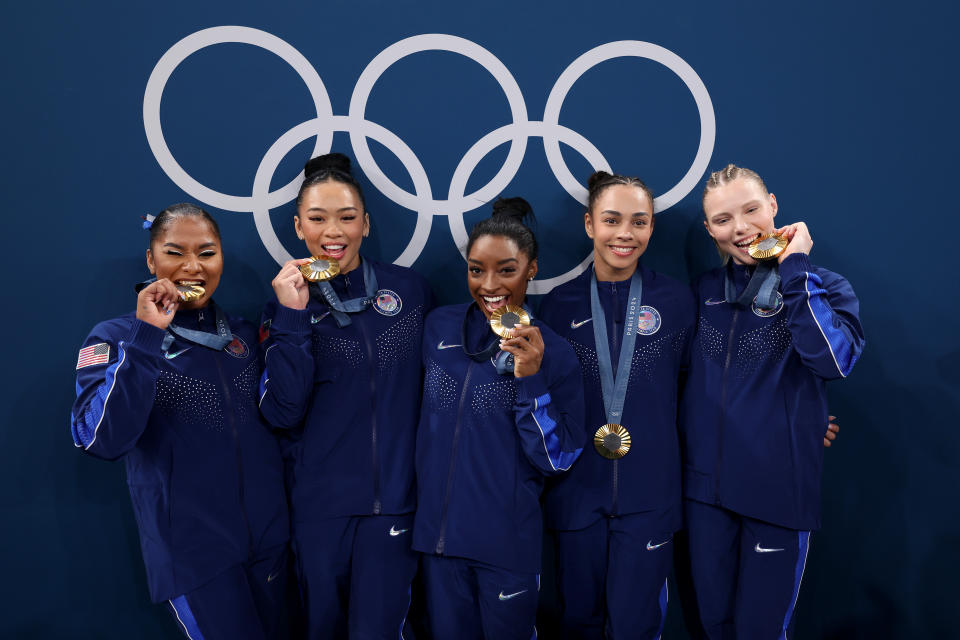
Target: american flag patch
x,y
94,354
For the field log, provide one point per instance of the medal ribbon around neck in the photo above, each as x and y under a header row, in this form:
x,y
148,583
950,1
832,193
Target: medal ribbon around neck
x,y
216,341
323,291
762,286
615,388
502,361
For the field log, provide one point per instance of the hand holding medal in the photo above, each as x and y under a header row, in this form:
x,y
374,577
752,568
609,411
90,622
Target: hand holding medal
x,y
290,285
158,302
520,340
798,239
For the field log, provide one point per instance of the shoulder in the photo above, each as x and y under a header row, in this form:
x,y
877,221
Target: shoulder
x,y
403,281
668,291
446,315
563,299
113,330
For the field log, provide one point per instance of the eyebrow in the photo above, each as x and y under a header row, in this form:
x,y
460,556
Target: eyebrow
x,y
617,213
475,261
322,210
177,246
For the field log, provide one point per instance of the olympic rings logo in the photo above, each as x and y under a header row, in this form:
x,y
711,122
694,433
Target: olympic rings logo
x,y
422,201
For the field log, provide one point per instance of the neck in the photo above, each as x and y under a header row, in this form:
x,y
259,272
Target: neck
x,y
606,273
347,268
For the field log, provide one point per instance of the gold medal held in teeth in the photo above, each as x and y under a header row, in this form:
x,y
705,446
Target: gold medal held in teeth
x,y
190,292
504,319
767,247
320,268
612,441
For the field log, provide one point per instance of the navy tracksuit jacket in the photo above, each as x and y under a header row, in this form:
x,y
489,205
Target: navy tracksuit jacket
x,y
755,402
204,471
648,477
355,392
486,441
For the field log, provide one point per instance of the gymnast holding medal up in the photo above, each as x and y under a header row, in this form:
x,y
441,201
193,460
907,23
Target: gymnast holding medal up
x,y
342,359
172,388
772,329
502,409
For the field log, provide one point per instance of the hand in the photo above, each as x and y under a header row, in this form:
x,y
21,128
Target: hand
x,y
290,286
798,239
526,345
832,431
157,303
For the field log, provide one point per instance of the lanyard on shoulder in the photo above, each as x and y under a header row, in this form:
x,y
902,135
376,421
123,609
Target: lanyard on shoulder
x,y
216,341
340,310
615,388
762,286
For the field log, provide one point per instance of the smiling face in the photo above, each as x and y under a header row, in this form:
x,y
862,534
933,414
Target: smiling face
x,y
620,224
188,252
736,213
498,273
331,220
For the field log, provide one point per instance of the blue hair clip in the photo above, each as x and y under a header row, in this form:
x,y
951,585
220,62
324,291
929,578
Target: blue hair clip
x,y
148,221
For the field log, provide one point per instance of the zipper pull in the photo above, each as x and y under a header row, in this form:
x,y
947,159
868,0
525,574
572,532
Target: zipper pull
x,y
201,317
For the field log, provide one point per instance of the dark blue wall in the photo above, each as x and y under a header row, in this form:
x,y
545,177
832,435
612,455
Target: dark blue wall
x,y
848,110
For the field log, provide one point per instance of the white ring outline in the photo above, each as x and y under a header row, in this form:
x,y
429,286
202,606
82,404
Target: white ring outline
x,y
181,51
359,129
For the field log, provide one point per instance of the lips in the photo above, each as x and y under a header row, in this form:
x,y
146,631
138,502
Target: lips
x,y
621,251
336,251
492,303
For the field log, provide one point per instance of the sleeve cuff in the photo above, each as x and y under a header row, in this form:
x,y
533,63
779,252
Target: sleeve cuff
x,y
532,387
291,320
146,337
793,265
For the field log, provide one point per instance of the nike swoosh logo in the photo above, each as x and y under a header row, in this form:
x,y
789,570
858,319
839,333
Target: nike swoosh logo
x,y
395,532
512,595
272,576
577,325
171,356
651,546
711,301
315,319
446,346
760,549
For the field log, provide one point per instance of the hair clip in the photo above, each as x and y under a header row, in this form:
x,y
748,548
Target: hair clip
x,y
148,221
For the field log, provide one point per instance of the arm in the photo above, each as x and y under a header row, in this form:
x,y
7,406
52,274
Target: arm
x,y
823,316
115,398
287,379
550,418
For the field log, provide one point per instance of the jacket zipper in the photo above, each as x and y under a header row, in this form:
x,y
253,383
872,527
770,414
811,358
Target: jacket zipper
x,y
377,505
723,402
236,441
441,541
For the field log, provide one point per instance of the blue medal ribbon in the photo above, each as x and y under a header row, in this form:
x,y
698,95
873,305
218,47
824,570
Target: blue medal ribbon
x,y
615,389
762,286
324,292
216,341
502,361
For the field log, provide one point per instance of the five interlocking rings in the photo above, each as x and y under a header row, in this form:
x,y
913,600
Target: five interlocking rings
x,y
422,201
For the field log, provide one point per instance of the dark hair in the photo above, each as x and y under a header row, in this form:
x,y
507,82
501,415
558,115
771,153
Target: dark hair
x,y
507,220
174,212
599,181
331,166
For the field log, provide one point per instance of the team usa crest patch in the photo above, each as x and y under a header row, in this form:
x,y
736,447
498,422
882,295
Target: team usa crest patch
x,y
648,321
387,302
766,313
237,348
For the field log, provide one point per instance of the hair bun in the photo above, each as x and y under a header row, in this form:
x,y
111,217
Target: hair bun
x,y
327,162
596,178
513,208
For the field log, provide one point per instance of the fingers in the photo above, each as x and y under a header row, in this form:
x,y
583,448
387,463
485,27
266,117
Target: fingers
x,y
525,338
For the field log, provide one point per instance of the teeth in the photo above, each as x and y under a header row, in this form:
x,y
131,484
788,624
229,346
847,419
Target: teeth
x,y
621,250
334,247
493,298
190,282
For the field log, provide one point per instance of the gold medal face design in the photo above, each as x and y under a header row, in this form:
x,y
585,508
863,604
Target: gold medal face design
x,y
320,268
504,319
767,247
190,292
612,441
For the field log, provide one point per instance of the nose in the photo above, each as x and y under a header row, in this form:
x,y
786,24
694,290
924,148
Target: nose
x,y
191,264
740,224
490,282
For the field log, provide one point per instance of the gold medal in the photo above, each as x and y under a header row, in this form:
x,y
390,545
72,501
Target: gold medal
x,y
612,441
319,268
190,292
504,319
767,247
